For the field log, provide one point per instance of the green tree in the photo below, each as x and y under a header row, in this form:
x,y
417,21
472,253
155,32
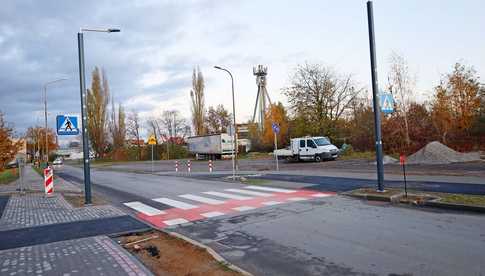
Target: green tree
x,y
218,119
97,103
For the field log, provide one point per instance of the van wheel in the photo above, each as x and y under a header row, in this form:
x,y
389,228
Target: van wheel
x,y
318,158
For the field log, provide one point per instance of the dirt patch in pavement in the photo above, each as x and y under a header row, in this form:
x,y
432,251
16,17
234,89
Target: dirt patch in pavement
x,y
77,200
167,255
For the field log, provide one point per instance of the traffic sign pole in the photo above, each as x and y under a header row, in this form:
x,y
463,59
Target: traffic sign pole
x,y
375,100
275,153
152,158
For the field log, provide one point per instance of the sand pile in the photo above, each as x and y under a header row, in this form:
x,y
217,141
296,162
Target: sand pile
x,y
437,153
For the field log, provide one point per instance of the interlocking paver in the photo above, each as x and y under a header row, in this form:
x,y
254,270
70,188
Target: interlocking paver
x,y
35,210
87,256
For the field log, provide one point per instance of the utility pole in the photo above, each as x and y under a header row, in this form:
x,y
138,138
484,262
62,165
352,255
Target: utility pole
x,y
375,99
84,113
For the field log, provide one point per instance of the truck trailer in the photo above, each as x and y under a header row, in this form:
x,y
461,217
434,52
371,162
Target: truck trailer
x,y
212,146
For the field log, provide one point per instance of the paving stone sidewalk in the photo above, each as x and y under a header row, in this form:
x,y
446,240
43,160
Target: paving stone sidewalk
x,y
87,256
35,210
33,182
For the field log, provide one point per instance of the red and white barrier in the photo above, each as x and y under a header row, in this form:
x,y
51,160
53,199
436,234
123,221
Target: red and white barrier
x,y
210,165
176,166
48,181
188,165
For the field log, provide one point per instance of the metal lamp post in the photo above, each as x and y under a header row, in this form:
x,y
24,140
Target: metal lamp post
x,y
45,116
82,85
375,101
234,138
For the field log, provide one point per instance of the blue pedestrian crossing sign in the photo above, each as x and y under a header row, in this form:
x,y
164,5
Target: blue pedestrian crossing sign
x,y
387,103
276,128
67,125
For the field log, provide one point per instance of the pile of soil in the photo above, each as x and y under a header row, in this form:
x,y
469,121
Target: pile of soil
x,y
437,153
167,255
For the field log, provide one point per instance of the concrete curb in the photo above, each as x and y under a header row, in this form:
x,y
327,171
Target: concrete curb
x,y
453,206
209,250
392,199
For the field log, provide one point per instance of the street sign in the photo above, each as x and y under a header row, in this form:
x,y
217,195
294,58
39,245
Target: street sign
x,y
276,128
387,103
67,125
152,140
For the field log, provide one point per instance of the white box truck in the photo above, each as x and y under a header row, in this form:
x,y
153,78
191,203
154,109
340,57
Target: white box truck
x,y
213,146
309,148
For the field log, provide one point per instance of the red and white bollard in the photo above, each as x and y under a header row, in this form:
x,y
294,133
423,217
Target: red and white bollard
x,y
188,165
48,181
176,166
210,165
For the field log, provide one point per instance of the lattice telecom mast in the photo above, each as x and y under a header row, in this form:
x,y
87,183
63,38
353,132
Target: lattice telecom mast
x,y
261,104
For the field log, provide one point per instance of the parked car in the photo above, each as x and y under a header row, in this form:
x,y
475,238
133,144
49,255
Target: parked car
x,y
58,161
309,148
12,164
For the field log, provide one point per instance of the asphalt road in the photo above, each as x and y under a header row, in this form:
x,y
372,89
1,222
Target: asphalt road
x,y
320,236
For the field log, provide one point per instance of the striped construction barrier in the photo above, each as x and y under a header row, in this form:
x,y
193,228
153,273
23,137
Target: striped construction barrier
x,y
210,165
48,181
176,166
188,165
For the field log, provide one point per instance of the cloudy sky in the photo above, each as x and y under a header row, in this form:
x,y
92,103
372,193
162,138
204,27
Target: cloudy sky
x,y
149,64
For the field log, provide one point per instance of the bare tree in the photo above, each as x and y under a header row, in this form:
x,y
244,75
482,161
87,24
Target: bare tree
x,y
173,124
401,86
319,97
134,130
197,96
97,102
154,125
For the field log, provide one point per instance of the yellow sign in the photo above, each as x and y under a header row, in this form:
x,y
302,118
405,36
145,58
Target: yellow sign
x,y
152,140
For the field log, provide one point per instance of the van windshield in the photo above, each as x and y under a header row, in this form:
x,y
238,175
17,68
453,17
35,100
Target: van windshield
x,y
322,141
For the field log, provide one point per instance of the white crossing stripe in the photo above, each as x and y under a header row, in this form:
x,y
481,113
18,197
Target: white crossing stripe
x,y
212,214
297,198
321,195
143,208
175,221
253,193
175,203
202,199
243,208
269,203
226,195
278,190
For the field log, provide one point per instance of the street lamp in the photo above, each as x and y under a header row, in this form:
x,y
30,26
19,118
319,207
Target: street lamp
x,y
45,116
82,85
234,137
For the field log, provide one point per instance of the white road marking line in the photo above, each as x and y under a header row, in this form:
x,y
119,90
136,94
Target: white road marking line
x,y
212,214
297,198
243,208
253,193
175,203
202,199
143,208
278,190
269,203
226,195
321,195
175,221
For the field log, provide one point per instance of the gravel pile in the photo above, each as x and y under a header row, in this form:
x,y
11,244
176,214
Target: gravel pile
x,y
437,153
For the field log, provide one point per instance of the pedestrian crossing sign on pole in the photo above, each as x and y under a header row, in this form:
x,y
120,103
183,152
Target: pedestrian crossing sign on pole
x,y
387,103
67,125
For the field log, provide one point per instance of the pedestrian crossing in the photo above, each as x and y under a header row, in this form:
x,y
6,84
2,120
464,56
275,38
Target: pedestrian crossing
x,y
204,205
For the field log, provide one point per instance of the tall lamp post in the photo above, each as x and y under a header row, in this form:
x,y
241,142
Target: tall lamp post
x,y
234,137
82,86
45,116
375,100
